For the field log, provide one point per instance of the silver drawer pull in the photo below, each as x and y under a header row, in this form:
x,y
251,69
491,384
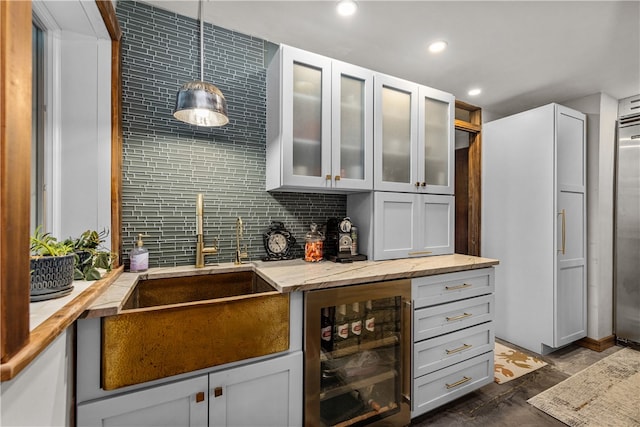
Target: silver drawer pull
x,y
456,287
457,383
458,317
459,349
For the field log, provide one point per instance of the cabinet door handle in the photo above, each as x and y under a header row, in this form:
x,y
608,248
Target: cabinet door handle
x,y
564,231
423,184
459,349
328,177
217,392
458,317
457,383
419,253
417,183
337,178
456,287
199,396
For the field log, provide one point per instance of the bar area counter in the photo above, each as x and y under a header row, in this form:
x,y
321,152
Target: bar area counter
x,y
296,275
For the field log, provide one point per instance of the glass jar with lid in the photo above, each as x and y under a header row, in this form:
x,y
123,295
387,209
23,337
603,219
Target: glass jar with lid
x,y
314,241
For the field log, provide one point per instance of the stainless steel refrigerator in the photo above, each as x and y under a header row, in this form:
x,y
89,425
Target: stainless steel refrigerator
x,y
627,223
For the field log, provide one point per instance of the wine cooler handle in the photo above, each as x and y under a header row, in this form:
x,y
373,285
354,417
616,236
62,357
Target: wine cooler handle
x,y
407,314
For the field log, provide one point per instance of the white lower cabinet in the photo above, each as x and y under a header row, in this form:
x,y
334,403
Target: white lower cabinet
x,y
261,394
183,403
266,393
402,225
453,336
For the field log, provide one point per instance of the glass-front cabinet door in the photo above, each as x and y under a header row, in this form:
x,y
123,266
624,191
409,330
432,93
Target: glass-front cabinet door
x,y
436,136
307,115
352,128
299,154
395,134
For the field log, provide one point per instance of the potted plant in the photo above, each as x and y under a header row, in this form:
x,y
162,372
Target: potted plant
x,y
91,255
51,265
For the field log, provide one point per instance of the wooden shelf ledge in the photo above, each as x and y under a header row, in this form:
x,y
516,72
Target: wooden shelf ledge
x,y
45,333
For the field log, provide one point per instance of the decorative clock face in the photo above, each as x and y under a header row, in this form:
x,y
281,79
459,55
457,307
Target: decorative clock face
x,y
345,225
277,243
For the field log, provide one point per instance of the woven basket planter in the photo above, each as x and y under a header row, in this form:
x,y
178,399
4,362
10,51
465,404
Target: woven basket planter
x,y
51,277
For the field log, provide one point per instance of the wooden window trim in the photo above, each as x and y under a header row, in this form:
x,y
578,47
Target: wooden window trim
x,y
15,169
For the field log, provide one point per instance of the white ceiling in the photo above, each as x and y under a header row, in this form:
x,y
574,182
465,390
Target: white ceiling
x,y
521,53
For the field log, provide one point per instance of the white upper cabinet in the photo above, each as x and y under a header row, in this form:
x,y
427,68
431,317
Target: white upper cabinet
x,y
436,141
319,119
395,134
413,137
333,126
352,127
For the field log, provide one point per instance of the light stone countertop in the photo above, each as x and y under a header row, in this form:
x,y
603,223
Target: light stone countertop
x,y
296,275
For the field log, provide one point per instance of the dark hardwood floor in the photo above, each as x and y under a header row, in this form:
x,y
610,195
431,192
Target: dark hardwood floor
x,y
506,404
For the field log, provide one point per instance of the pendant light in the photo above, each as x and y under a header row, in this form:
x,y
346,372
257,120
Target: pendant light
x,y
200,103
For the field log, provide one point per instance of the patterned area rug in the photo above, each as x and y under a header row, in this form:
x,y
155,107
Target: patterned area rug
x,y
605,394
510,364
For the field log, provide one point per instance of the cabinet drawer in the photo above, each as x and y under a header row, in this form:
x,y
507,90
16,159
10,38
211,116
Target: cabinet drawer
x,y
432,290
433,321
445,385
437,353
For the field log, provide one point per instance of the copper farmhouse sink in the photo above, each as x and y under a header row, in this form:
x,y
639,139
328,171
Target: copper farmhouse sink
x,y
175,325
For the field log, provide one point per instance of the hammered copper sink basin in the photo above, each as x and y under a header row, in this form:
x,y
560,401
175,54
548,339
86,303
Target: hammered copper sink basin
x,y
170,326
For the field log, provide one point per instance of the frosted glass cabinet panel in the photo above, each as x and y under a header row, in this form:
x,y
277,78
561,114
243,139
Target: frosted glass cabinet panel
x,y
352,136
319,124
307,120
436,133
396,136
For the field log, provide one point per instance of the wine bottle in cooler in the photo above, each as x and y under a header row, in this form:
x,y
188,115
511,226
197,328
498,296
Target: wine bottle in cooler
x,y
355,321
326,328
341,328
369,323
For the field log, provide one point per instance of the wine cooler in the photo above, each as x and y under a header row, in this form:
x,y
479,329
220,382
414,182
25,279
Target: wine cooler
x,y
357,361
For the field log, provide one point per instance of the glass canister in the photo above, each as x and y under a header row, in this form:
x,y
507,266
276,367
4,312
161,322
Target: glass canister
x,y
314,241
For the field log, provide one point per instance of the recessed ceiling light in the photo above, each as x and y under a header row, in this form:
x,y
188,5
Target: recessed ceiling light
x,y
474,92
346,7
438,46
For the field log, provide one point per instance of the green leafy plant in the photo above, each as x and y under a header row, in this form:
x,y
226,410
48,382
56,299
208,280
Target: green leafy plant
x,y
44,244
91,255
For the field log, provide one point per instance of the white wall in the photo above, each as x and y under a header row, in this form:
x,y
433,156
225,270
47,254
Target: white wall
x,y
601,110
85,135
41,394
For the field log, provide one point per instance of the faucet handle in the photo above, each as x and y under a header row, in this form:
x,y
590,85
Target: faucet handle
x,y
215,243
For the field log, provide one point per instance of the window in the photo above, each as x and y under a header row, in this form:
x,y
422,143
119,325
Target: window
x,y
38,216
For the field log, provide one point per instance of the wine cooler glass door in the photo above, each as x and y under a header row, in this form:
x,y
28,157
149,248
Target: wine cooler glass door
x,y
356,355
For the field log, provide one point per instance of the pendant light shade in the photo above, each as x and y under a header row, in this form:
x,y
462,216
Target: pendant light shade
x,y
200,103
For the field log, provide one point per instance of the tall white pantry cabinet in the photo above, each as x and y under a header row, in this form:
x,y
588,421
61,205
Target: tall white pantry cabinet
x,y
534,222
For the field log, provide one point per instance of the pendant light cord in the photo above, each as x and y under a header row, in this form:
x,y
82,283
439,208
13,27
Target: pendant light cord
x,y
201,41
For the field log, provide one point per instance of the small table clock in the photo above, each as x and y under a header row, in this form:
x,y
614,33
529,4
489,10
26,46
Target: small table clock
x,y
278,242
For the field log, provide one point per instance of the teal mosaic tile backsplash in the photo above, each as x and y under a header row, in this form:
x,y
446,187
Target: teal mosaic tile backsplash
x,y
167,162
